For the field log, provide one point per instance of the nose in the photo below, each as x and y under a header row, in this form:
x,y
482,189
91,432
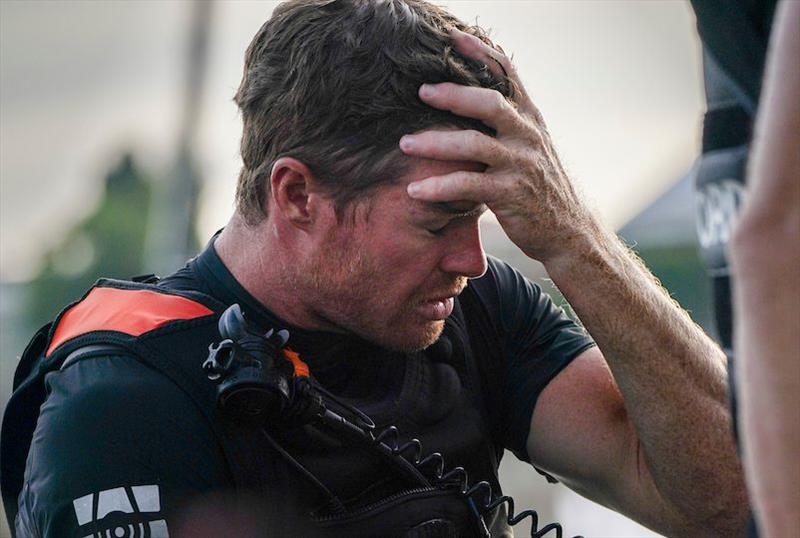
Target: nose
x,y
464,255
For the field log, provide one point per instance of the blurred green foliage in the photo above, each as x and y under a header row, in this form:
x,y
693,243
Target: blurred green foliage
x,y
109,243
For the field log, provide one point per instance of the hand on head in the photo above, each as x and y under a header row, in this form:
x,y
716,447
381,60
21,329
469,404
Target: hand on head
x,y
524,183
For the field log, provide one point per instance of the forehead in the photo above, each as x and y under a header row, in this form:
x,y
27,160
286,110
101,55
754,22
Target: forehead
x,y
396,196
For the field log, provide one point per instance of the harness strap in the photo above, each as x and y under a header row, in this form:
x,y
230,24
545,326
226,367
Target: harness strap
x,y
129,311
92,350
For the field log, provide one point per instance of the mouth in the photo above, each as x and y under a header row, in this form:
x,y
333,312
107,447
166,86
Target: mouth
x,y
437,309
440,306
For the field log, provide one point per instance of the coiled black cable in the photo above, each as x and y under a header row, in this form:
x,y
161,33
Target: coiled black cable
x,y
387,441
301,400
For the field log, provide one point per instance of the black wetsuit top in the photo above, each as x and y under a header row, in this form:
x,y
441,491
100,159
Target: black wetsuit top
x,y
111,425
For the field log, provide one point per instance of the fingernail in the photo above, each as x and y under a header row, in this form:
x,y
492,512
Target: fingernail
x,y
406,142
413,188
426,90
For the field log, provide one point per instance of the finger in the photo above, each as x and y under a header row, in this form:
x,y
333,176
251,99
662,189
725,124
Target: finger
x,y
473,47
496,61
455,146
483,104
457,186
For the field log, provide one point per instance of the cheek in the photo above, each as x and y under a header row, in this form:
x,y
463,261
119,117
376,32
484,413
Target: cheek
x,y
405,268
405,244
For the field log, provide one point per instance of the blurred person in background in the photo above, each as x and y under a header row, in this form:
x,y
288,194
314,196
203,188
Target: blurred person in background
x,y
375,135
765,259
742,259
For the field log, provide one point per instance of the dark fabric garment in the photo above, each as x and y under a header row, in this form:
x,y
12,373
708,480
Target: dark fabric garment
x,y
106,420
539,340
736,33
112,420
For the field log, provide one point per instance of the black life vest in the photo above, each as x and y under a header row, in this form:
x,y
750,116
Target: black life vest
x,y
150,323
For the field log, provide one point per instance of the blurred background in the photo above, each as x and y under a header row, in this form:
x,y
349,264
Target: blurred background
x,y
119,151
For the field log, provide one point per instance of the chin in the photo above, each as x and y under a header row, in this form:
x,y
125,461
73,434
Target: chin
x,y
414,338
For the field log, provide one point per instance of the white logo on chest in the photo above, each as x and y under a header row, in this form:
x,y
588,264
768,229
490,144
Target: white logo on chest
x,y
122,512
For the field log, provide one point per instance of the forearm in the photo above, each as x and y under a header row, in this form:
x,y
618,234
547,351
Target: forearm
x,y
765,256
671,375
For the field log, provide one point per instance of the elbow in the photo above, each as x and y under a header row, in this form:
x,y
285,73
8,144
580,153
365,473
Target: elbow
x,y
766,239
714,505
726,512
729,522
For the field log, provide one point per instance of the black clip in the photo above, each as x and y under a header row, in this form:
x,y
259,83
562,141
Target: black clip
x,y
220,358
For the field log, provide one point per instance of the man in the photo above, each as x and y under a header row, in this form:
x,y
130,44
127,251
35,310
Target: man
x,y
375,135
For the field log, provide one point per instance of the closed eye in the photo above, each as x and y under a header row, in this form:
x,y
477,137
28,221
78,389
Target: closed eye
x,y
436,231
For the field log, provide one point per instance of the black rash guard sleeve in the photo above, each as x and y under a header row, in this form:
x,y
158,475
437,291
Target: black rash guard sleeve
x,y
538,340
117,447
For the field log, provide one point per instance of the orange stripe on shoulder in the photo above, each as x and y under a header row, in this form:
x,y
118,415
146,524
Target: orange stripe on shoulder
x,y
133,312
300,368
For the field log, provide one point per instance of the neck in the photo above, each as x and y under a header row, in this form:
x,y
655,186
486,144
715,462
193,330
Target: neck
x,y
257,258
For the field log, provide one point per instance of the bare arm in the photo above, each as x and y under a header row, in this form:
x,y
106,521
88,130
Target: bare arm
x,y
655,441
673,381
765,256
582,434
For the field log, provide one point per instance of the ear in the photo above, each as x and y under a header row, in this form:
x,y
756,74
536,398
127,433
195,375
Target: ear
x,y
295,192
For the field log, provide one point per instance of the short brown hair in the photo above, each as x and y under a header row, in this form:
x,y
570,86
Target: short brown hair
x,y
333,83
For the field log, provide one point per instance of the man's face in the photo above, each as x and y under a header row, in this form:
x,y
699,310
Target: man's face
x,y
390,274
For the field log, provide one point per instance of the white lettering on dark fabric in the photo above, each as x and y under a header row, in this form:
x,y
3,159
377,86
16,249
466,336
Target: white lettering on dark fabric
x,y
121,512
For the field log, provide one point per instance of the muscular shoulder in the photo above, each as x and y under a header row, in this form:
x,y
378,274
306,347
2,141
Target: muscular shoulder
x,y
110,424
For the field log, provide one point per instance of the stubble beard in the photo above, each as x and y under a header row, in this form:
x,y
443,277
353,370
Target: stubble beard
x,y
346,299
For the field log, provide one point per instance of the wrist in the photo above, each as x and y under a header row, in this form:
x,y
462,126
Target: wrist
x,y
590,247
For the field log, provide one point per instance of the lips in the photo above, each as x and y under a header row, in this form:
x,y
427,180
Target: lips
x,y
437,309
439,305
